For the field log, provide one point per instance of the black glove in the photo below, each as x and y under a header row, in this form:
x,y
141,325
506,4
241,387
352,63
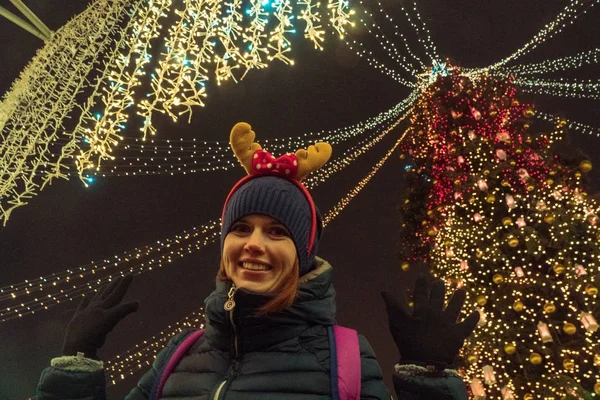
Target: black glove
x,y
96,316
428,334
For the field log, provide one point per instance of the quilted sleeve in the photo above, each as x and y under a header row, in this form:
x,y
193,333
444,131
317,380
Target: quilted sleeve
x,y
416,383
372,386
146,383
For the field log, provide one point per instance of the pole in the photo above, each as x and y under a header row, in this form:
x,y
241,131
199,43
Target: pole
x,y
32,18
23,24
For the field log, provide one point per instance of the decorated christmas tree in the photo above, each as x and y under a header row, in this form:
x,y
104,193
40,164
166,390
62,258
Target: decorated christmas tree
x,y
495,207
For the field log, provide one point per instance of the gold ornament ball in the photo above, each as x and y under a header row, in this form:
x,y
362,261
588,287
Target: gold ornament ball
x,y
513,163
597,360
505,183
481,300
424,222
562,122
506,221
405,266
430,213
486,171
530,187
490,198
479,254
577,174
585,166
518,150
510,348
498,279
549,218
569,328
550,181
549,308
591,290
411,303
431,232
457,182
406,201
513,241
528,396
558,269
471,358
597,388
535,358
515,102
528,112
568,364
518,306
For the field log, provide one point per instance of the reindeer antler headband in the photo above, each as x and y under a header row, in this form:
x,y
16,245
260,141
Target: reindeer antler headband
x,y
292,167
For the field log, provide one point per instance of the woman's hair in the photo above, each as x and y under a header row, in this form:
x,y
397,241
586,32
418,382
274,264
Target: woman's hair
x,y
285,295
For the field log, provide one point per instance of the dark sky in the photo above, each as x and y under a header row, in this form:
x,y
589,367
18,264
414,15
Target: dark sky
x,y
68,225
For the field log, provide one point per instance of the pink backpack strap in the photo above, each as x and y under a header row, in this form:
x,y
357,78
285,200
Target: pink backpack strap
x,y
181,351
348,363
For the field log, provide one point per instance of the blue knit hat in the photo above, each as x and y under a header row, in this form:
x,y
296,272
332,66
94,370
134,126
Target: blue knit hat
x,y
273,187
282,200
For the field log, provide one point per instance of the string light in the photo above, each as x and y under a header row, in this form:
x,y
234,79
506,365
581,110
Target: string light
x,y
558,65
583,128
566,17
137,261
53,82
508,222
32,111
335,211
581,89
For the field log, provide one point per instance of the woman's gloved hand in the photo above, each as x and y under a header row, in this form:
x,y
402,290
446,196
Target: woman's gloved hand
x,y
428,333
96,316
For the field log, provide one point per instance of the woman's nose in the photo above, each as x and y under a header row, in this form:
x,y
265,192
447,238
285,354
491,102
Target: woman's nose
x,y
255,242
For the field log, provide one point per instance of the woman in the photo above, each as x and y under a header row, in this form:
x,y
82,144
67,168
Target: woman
x,y
267,321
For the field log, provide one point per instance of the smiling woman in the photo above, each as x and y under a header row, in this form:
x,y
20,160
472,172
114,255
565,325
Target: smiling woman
x,y
270,323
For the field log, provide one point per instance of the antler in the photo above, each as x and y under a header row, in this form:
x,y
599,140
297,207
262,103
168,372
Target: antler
x,y
242,143
313,159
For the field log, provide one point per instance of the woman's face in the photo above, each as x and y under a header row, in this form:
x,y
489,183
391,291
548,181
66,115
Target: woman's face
x,y
258,254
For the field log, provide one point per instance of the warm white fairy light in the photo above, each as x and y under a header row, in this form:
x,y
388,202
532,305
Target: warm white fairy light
x,y
205,37
566,17
335,211
428,42
579,89
253,55
72,284
169,157
561,64
124,72
33,110
311,17
388,46
397,33
142,355
572,125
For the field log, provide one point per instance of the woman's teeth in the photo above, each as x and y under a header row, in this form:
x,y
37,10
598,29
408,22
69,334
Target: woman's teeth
x,y
255,267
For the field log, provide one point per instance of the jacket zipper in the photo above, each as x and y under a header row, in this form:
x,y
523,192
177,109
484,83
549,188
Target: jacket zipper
x,y
229,306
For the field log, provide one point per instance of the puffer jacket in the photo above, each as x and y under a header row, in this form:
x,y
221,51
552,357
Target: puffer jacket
x,y
282,355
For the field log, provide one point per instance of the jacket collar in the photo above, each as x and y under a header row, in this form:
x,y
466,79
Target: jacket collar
x,y
314,305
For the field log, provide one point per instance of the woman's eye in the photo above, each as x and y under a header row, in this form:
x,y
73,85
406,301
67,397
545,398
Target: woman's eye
x,y
277,231
240,228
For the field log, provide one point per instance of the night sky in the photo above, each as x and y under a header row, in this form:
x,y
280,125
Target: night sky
x,y
68,225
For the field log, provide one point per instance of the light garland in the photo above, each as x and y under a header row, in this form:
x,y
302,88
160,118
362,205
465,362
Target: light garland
x,y
581,89
33,110
335,211
205,36
583,128
143,354
558,65
137,261
509,223
563,19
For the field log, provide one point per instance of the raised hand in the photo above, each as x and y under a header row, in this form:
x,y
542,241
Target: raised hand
x,y
96,317
428,333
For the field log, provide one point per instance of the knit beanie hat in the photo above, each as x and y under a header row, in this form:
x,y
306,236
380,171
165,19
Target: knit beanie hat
x,y
274,188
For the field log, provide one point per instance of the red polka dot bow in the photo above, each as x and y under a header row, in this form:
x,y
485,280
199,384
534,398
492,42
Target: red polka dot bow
x,y
263,163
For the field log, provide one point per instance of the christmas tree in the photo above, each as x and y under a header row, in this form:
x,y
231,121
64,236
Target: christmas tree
x,y
495,208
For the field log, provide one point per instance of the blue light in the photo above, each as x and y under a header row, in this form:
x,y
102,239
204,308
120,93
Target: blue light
x,y
249,11
98,115
408,167
90,179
